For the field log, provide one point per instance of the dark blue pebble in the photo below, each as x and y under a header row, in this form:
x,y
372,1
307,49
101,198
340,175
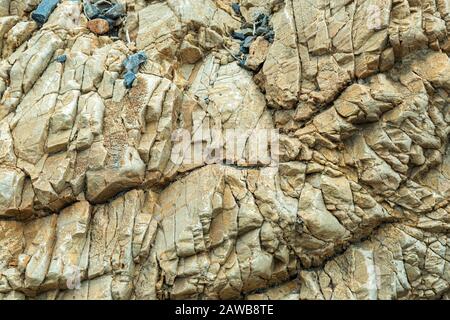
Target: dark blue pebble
x,y
43,11
91,10
236,8
62,58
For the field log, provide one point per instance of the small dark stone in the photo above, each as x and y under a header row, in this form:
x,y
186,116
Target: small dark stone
x,y
114,32
62,58
112,13
132,64
248,41
262,20
236,8
91,11
103,5
247,35
247,31
245,46
43,11
242,62
129,79
238,35
115,12
244,50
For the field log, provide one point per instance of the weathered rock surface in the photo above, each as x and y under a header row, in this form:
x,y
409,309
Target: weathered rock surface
x,y
102,196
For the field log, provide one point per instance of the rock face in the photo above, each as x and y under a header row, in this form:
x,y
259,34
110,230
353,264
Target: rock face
x,y
103,194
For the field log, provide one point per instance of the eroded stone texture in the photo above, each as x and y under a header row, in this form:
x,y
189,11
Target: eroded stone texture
x,y
100,197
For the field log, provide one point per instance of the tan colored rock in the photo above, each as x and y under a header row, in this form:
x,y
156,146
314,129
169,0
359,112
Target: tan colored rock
x,y
190,53
319,221
258,53
282,69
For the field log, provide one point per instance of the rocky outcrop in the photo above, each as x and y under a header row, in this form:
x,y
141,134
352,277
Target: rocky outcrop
x,y
318,167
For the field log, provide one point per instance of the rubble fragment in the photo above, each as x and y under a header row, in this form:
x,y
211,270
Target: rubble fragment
x,y
104,16
62,58
132,64
43,11
236,8
259,29
98,26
